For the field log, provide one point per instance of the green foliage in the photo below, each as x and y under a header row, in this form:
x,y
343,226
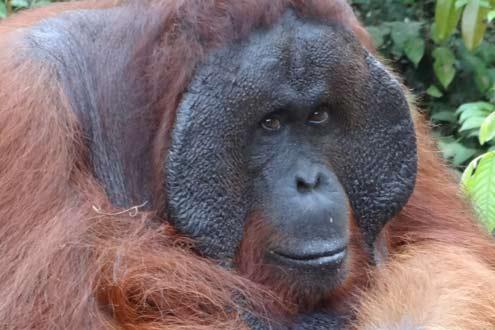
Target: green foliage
x,y
474,20
445,49
447,16
453,72
8,7
479,183
444,65
487,129
3,10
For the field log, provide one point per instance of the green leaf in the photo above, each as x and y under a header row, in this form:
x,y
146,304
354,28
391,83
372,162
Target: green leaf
x,y
445,116
475,133
401,32
461,3
447,15
471,123
478,181
3,10
455,151
20,3
474,109
41,3
478,64
415,50
473,113
378,34
490,16
485,4
472,116
487,129
473,24
404,31
434,91
444,65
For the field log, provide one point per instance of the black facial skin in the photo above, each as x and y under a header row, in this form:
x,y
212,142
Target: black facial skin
x,y
300,195
229,157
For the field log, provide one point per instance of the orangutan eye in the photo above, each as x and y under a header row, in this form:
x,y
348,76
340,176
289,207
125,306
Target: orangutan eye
x,y
271,124
317,117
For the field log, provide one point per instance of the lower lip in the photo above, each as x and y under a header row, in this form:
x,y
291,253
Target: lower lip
x,y
332,259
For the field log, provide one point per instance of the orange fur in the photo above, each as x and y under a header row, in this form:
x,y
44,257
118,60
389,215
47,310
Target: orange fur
x,y
69,259
430,286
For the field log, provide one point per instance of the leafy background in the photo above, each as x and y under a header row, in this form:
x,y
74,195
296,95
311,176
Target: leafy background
x,y
445,50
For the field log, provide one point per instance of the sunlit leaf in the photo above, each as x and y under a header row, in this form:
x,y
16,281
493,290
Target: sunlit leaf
x,y
474,109
474,24
487,129
447,16
478,181
471,123
490,16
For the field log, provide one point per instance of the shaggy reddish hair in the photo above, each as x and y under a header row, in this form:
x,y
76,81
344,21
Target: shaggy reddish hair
x,y
70,259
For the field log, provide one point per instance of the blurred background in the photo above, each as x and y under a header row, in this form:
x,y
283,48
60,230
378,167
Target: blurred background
x,y
445,51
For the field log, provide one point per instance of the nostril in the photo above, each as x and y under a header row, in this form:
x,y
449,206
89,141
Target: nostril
x,y
305,185
302,186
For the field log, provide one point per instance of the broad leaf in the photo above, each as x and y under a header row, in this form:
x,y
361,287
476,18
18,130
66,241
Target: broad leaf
x,y
474,109
471,123
415,50
487,129
478,181
474,23
447,15
444,65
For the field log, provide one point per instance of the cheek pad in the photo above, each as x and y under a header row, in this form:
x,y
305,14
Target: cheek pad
x,y
206,180
376,160
206,183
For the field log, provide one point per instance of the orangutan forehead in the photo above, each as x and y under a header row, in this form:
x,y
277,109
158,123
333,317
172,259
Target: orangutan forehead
x,y
296,43
296,62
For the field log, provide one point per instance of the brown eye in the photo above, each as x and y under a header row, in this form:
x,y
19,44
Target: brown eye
x,y
271,124
318,117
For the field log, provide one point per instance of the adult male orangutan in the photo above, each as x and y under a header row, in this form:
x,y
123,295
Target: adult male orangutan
x,y
223,164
